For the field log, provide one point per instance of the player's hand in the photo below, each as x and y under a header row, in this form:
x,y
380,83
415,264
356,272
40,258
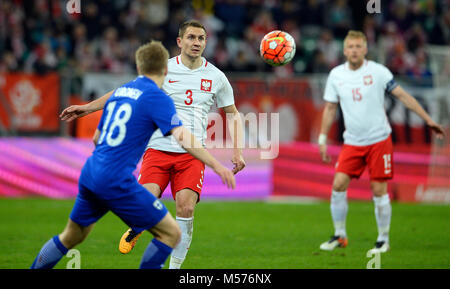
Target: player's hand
x,y
323,154
438,129
238,162
226,175
73,112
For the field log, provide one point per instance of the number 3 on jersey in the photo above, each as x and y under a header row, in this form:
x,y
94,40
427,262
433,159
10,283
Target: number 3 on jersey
x,y
189,97
121,117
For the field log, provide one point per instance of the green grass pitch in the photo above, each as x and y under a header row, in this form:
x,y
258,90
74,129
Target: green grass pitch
x,y
239,235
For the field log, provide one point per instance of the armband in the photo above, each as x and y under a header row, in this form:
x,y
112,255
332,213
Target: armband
x,y
391,85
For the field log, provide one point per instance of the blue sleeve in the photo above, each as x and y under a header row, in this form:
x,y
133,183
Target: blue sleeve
x,y
164,114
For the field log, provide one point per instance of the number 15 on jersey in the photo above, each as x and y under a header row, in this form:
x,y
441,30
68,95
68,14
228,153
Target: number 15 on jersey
x,y
356,93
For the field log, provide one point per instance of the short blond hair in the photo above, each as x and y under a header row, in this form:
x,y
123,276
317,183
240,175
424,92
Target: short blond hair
x,y
151,58
354,34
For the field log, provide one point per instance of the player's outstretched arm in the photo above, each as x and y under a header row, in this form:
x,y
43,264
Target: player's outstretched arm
x,y
236,133
328,116
194,147
411,103
76,111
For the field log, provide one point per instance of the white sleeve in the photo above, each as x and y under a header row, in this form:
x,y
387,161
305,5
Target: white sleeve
x,y
225,96
387,78
330,94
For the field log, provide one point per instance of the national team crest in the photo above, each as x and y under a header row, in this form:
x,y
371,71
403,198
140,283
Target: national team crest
x,y
368,80
206,85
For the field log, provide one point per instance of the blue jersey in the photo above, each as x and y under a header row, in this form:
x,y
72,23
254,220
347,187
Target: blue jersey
x,y
130,117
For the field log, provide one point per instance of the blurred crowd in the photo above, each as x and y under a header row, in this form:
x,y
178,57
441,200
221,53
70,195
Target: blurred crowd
x,y
40,36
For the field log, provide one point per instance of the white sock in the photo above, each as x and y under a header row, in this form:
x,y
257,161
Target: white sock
x,y
180,251
383,213
339,208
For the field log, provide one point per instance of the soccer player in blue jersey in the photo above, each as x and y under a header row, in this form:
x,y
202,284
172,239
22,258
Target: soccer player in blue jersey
x,y
131,115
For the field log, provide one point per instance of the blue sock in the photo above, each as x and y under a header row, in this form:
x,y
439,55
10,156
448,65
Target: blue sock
x,y
155,255
50,254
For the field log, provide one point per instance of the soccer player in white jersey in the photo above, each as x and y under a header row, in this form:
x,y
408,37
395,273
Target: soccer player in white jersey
x,y
194,84
359,87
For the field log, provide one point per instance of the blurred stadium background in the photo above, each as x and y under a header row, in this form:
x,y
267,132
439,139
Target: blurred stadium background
x,y
50,59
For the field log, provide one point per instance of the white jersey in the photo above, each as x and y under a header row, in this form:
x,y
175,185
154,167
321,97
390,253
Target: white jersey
x,y
361,96
193,92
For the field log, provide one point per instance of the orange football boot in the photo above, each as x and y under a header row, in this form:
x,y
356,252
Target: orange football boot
x,y
128,240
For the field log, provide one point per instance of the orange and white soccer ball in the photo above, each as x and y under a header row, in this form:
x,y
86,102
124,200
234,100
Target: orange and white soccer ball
x,y
277,48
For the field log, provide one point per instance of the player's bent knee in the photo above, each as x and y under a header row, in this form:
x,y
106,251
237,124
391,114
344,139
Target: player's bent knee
x,y
378,188
171,236
185,203
185,211
340,186
175,235
167,231
379,192
341,182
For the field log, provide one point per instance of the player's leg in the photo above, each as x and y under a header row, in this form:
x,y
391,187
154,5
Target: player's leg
x,y
153,188
185,200
383,213
57,247
74,234
339,209
167,231
154,176
339,203
85,213
350,165
186,184
130,238
143,211
167,235
50,254
381,170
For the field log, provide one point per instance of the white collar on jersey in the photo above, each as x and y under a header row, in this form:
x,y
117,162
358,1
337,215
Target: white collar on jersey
x,y
204,63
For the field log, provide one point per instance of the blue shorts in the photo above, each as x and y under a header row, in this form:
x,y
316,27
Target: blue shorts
x,y
131,202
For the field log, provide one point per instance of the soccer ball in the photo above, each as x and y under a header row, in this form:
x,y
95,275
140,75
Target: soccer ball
x,y
277,48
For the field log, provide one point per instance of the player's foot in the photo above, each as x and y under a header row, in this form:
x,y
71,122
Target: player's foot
x,y
333,243
128,240
380,247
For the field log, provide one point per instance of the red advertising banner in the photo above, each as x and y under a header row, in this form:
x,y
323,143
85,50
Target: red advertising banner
x,y
419,176
29,103
300,115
